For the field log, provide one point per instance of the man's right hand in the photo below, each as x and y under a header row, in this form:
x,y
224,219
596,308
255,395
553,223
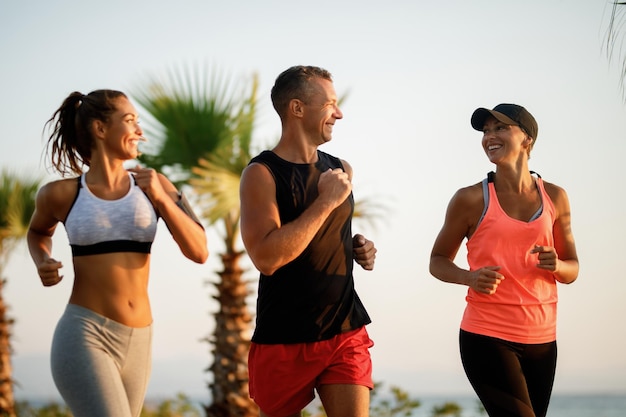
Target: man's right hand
x,y
334,186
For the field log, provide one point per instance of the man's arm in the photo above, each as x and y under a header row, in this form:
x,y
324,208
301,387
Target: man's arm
x,y
269,243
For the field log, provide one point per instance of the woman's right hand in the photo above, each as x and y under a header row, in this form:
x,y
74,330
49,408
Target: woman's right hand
x,y
485,280
48,271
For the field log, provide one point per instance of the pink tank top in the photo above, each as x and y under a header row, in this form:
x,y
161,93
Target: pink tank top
x,y
523,309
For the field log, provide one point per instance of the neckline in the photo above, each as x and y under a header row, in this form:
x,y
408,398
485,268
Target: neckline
x,y
307,164
534,217
85,186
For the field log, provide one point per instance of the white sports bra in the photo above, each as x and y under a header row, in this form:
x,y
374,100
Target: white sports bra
x,y
95,226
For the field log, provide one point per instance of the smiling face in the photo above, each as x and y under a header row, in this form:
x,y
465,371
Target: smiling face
x,y
121,134
321,111
502,142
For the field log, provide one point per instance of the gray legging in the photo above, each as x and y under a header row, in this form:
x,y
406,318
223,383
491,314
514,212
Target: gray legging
x,y
100,367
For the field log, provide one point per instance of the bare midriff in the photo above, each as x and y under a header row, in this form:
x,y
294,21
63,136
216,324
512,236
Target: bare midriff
x,y
114,285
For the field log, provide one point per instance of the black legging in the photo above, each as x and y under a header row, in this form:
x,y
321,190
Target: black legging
x,y
511,379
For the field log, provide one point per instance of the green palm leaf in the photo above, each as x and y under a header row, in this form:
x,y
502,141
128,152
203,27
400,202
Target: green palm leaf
x,y
216,188
195,115
614,39
17,204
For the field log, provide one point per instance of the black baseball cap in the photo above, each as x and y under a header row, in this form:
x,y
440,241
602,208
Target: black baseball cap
x,y
511,114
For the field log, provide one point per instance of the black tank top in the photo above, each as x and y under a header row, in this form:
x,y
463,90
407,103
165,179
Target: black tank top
x,y
313,297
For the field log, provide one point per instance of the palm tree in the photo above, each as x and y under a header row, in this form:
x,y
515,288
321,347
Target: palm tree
x,y
203,141
17,203
614,42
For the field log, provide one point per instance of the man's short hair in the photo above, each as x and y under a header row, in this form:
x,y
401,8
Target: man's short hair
x,y
293,83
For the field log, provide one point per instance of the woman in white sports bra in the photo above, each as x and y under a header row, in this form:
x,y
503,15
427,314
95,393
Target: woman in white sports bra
x,y
101,350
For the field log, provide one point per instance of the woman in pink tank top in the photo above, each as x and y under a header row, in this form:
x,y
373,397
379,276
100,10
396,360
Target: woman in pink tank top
x,y
519,246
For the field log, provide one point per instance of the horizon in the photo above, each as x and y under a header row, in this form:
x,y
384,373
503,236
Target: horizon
x,y
163,386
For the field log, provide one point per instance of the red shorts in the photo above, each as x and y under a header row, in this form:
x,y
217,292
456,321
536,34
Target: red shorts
x,y
283,377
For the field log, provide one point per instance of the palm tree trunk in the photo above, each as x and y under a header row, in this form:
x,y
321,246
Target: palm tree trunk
x,y
231,341
7,402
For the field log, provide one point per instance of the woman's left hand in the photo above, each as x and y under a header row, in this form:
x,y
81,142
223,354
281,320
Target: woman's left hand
x,y
148,180
548,258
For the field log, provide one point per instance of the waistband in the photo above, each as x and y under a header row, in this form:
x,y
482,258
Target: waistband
x,y
83,312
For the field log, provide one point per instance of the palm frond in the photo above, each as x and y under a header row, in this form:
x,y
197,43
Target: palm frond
x,y
614,41
195,112
370,211
216,189
17,204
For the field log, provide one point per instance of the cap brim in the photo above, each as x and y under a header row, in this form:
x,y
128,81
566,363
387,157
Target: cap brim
x,y
481,114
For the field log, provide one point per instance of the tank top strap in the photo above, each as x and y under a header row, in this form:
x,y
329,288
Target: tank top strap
x,y
491,175
78,187
485,198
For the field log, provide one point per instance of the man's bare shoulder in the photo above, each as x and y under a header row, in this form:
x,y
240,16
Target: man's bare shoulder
x,y
257,182
255,171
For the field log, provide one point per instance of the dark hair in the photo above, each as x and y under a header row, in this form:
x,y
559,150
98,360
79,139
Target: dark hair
x,y
294,83
70,142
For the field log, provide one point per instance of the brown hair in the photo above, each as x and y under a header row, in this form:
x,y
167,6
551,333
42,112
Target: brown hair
x,y
70,143
294,83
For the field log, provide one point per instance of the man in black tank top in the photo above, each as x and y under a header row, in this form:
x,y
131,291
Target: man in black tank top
x,y
296,215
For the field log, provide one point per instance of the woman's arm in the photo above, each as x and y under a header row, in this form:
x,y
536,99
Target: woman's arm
x,y
461,217
41,228
562,260
189,235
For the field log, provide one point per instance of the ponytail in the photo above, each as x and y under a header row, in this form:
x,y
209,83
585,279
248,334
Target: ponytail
x,y
70,142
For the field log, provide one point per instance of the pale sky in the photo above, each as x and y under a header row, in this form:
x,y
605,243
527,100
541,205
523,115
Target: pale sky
x,y
415,71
